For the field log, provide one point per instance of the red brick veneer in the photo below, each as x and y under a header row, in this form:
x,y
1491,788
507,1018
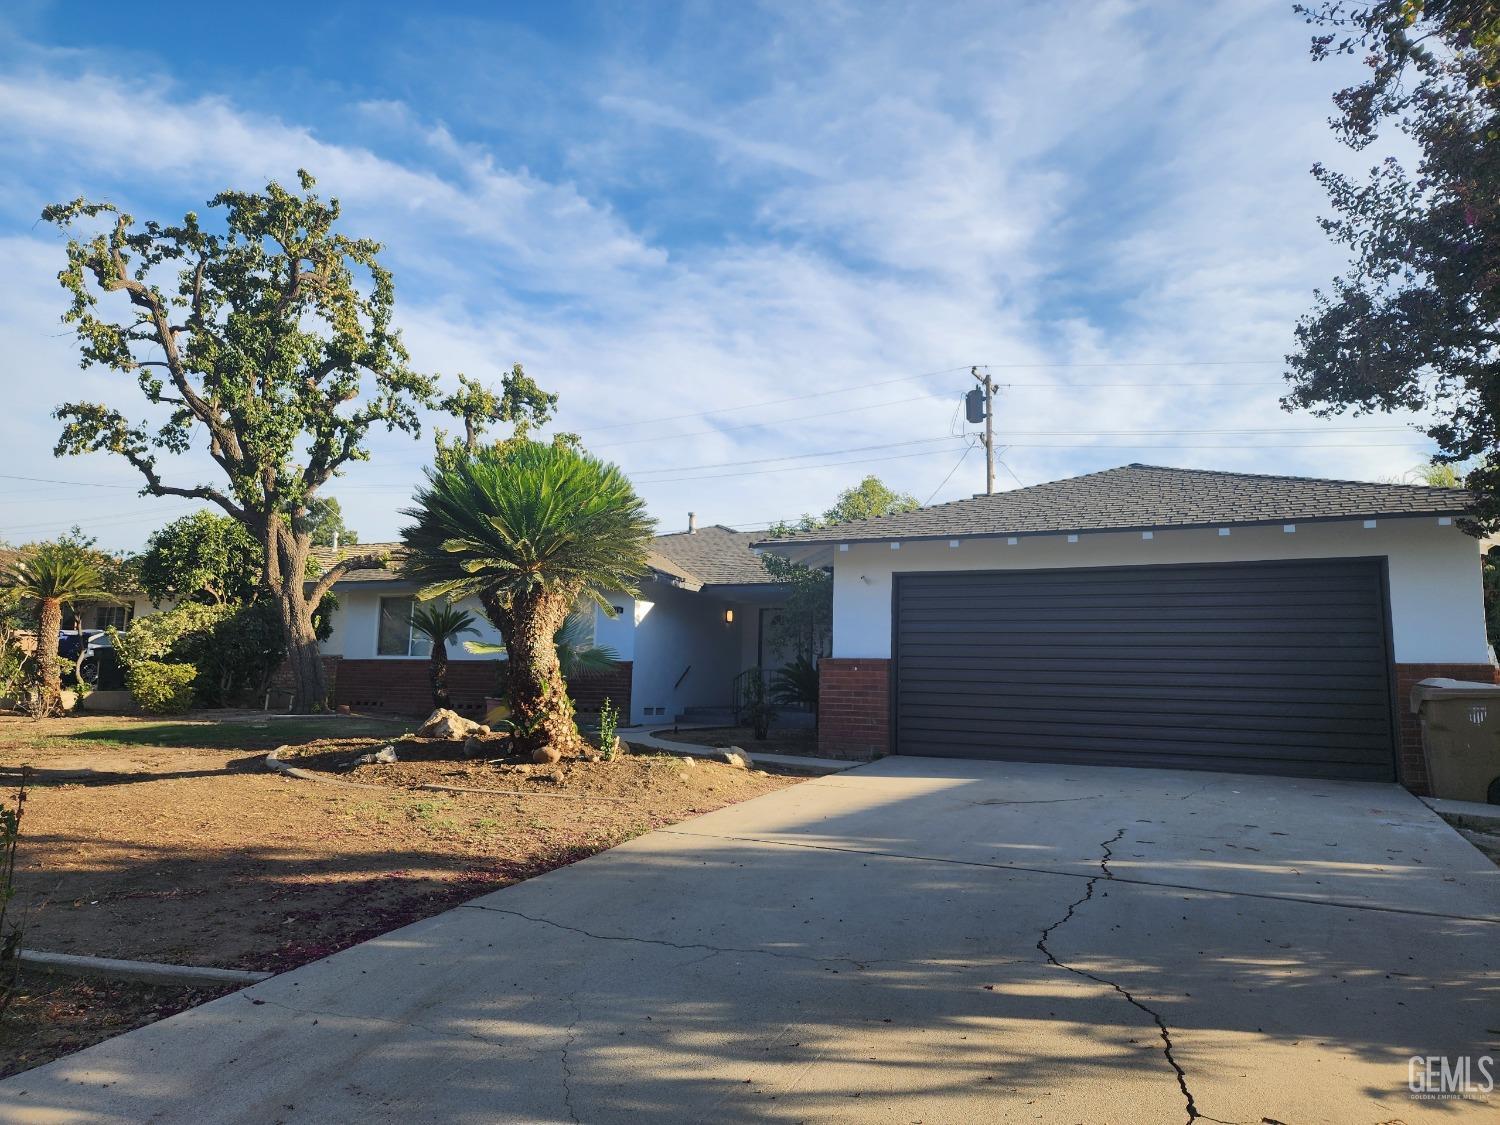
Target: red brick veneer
x,y
854,707
1412,766
400,687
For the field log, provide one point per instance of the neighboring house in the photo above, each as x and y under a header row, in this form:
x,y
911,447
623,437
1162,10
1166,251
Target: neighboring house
x,y
1156,617
699,622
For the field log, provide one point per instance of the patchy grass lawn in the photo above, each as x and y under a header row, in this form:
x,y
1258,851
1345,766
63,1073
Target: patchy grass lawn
x,y
781,740
168,841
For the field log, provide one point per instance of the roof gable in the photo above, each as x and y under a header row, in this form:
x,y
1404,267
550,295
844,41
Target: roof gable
x,y
1140,497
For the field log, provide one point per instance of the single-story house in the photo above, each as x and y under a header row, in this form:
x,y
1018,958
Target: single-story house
x,y
699,623
1153,616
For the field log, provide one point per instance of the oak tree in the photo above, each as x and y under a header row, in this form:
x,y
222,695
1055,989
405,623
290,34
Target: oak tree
x,y
1414,323
269,332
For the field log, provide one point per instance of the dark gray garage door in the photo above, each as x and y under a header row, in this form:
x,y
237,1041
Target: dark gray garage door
x,y
1256,667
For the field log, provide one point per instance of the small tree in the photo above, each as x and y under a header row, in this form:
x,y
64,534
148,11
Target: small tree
x,y
529,529
271,336
520,403
200,557
325,525
441,623
805,623
53,575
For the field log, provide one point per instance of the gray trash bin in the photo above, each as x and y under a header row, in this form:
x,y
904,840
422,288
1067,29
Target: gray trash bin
x,y
1460,738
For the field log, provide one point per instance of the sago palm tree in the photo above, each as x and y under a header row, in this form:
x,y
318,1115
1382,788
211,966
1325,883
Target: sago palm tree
x,y
577,655
440,623
53,575
530,530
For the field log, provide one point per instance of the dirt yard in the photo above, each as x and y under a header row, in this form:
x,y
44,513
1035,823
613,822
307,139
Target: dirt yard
x,y
168,841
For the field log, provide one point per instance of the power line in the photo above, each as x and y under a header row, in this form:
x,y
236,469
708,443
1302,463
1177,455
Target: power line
x,y
1026,445
964,367
968,449
1201,430
796,468
93,521
778,401
79,483
794,456
764,425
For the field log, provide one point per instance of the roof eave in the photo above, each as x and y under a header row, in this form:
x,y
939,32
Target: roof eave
x,y
781,546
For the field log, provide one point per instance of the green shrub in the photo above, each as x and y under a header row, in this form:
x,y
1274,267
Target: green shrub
x,y
174,635
234,648
161,689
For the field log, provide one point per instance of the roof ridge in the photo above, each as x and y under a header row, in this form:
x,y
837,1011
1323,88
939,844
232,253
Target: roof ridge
x,y
1283,476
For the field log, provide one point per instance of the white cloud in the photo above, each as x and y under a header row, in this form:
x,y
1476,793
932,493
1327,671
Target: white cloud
x,y
1056,187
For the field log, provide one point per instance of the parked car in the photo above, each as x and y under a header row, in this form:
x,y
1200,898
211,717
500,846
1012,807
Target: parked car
x,y
87,643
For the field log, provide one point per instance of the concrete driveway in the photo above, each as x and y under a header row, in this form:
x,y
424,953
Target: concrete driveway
x,y
914,941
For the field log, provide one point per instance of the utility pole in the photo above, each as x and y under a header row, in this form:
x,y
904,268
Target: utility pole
x,y
982,399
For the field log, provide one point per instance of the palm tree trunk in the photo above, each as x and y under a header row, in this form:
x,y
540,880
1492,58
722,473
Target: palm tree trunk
x,y
49,675
437,672
539,701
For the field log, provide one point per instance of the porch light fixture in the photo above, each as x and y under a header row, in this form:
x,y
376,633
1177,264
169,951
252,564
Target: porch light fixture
x,y
1445,521
1012,540
1148,535
1369,523
1072,539
1289,528
1223,531
729,617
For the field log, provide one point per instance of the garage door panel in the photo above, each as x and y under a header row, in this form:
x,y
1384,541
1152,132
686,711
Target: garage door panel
x,y
1373,716
1246,662
1109,707
1030,677
1257,664
1209,745
1233,581
1157,759
1129,724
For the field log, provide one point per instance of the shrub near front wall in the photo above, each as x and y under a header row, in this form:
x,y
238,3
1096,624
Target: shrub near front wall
x,y
161,689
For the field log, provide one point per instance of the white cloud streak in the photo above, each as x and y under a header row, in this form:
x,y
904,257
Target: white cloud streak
x,y
1059,188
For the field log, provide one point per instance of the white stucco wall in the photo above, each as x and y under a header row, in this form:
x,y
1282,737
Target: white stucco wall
x,y
675,629
356,624
1437,603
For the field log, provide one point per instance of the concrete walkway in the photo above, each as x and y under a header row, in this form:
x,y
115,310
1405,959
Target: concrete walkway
x,y
911,941
799,763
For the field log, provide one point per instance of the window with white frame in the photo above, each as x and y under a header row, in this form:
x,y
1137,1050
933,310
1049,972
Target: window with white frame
x,y
396,636
107,616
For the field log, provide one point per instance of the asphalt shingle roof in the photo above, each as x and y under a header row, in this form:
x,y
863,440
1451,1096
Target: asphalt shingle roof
x,y
327,556
1148,496
710,556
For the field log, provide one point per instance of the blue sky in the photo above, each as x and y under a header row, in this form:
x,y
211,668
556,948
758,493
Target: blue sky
x,y
681,216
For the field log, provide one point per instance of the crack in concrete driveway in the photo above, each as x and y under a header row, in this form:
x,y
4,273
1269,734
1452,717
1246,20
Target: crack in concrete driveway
x,y
1107,847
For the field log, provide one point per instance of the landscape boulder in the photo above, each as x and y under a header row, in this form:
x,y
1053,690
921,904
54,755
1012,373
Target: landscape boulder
x,y
383,757
734,756
546,755
444,723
